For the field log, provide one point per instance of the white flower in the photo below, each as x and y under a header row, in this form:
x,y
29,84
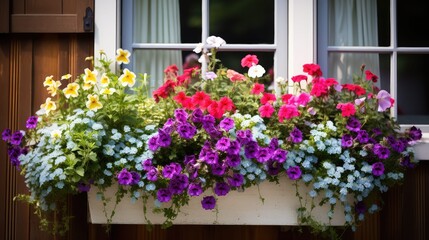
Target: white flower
x,y
280,81
216,42
198,48
256,71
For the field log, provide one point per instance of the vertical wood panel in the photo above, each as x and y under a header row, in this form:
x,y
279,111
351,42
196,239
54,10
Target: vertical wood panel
x,y
5,167
18,7
24,108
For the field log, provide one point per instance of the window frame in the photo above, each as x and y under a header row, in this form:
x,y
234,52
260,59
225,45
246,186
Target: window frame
x,y
278,47
323,50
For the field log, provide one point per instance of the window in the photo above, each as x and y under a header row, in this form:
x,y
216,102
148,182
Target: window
x,y
385,35
164,32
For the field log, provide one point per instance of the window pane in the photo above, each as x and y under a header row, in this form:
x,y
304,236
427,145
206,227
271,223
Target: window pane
x,y
344,66
190,21
356,23
413,99
250,21
156,21
412,23
153,62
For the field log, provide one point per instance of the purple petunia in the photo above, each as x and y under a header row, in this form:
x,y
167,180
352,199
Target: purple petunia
x,y
233,160
236,180
406,162
195,189
279,155
296,135
223,144
163,195
186,130
189,159
274,144
221,188
362,136
234,148
381,151
152,174
153,143
251,149
164,139
16,138
169,171
226,124
135,177
346,140
168,126
208,202
415,133
6,135
147,164
178,183
181,115
31,122
378,169
244,136
294,172
125,177
353,124
209,120
273,168
264,154
14,152
211,157
218,169
197,116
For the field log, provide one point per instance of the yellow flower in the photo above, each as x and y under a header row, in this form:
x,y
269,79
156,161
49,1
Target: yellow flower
x,y
49,80
71,90
123,56
90,76
87,86
108,91
49,105
127,78
93,103
66,77
104,81
53,89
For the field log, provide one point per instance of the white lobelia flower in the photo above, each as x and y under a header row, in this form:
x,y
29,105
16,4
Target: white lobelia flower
x,y
256,71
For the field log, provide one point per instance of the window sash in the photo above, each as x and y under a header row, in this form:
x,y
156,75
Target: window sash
x,y
324,49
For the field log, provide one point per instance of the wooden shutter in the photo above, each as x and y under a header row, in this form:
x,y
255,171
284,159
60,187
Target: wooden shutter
x,y
47,16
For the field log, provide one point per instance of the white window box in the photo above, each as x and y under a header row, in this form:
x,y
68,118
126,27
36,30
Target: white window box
x,y
236,208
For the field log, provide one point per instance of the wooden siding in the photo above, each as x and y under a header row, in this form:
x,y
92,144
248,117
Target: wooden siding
x,y
46,16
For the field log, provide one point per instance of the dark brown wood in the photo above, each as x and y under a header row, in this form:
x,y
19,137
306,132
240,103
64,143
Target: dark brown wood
x,y
44,23
43,7
4,16
45,16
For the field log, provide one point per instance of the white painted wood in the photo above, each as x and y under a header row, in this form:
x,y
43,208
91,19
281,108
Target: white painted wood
x,y
302,35
106,27
237,208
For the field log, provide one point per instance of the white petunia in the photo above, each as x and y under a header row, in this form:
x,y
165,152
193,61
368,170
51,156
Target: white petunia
x,y
256,71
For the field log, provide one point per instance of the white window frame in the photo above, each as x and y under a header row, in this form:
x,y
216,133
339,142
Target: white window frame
x,y
294,41
324,49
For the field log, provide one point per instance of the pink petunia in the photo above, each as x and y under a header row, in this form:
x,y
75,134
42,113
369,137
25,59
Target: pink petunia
x,y
257,88
235,76
384,100
268,98
347,109
371,76
249,60
299,78
287,112
266,110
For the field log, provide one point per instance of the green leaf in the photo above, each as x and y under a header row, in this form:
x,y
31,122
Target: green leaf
x,y
80,171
